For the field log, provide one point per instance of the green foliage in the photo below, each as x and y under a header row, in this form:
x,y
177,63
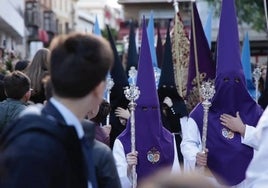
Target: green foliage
x,y
9,66
248,11
3,69
105,33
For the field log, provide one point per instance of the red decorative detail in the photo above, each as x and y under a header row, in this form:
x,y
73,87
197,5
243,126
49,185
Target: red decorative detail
x,y
107,13
43,36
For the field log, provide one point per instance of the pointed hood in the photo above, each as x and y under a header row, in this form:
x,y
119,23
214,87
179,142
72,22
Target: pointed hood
x,y
167,85
245,58
145,76
208,27
96,27
132,58
229,71
200,59
153,142
167,72
225,148
150,32
118,75
159,48
228,42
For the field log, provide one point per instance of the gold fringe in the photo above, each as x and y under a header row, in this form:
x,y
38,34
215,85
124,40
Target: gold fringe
x,y
180,55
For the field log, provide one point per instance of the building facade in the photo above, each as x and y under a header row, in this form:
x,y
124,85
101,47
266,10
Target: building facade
x,y
163,11
84,21
45,19
65,15
101,9
12,28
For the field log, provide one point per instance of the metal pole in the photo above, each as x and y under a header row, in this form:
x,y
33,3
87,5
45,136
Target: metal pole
x,y
256,76
207,91
195,53
109,86
265,12
132,106
132,94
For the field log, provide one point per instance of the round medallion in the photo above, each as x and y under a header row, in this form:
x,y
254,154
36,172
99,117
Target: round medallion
x,y
153,155
227,133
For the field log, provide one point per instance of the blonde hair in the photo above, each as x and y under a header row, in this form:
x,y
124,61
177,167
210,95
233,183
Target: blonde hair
x,y
38,68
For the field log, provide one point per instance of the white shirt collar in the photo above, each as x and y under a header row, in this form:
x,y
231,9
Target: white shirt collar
x,y
69,117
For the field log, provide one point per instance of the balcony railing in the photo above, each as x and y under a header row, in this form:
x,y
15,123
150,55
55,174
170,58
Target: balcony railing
x,y
32,14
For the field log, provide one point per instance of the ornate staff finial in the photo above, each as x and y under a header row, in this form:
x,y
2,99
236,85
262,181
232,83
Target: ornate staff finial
x,y
175,5
132,73
132,93
207,91
256,75
109,86
109,83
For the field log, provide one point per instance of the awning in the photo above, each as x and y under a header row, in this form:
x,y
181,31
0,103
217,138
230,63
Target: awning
x,y
43,36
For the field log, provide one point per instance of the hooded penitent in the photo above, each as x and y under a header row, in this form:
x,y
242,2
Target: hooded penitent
x,y
167,86
228,158
154,143
117,97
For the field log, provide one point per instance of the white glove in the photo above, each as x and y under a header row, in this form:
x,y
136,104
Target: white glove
x,y
122,113
168,102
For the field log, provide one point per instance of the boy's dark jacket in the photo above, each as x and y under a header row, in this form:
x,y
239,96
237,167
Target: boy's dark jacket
x,y
41,151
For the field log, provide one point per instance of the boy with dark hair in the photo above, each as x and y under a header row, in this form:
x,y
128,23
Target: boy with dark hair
x,y
17,90
48,150
22,65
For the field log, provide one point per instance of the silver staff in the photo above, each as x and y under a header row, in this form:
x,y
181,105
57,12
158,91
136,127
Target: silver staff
x,y
256,76
132,93
109,86
207,91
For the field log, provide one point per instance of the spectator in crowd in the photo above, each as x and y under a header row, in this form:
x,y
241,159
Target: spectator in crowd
x,y
21,65
18,92
102,132
36,71
105,169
